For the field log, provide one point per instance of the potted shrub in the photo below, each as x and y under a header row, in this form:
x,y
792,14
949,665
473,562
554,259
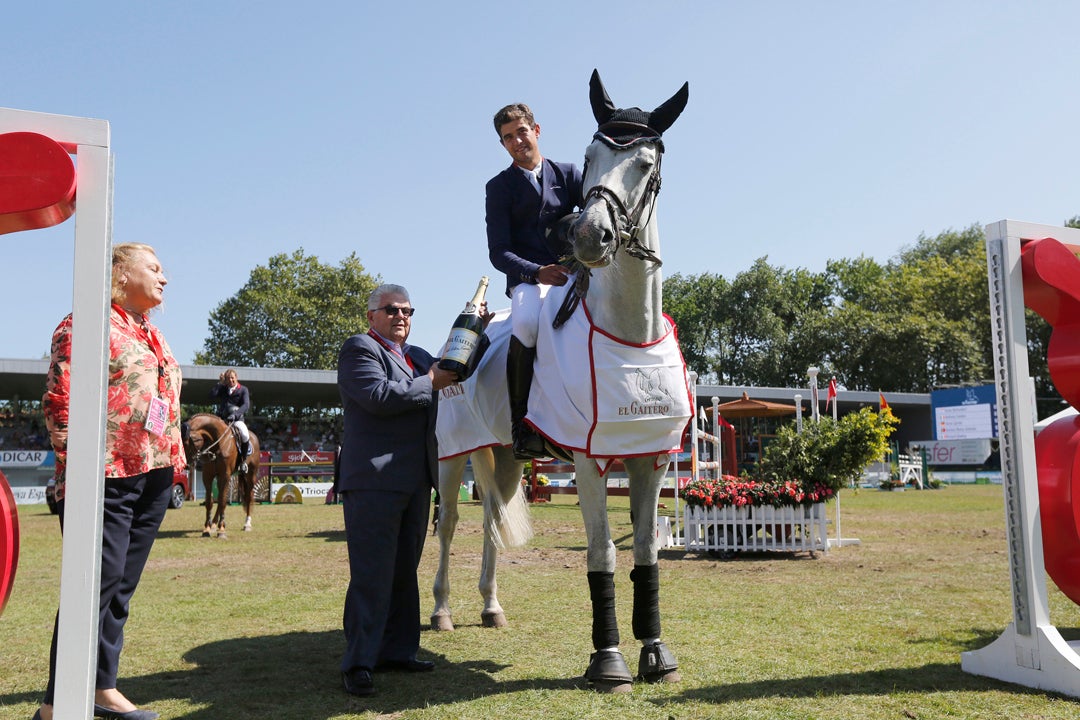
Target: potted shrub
x,y
829,453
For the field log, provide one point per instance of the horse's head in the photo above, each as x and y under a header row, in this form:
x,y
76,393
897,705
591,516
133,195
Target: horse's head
x,y
195,437
622,174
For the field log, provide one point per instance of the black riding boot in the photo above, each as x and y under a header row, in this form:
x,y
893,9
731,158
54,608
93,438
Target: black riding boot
x,y
245,450
519,374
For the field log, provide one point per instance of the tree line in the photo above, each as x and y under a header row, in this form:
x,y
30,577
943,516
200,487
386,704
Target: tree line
x,y
919,321
914,323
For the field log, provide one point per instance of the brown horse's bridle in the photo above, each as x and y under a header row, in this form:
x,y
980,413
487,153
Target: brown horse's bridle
x,y
205,454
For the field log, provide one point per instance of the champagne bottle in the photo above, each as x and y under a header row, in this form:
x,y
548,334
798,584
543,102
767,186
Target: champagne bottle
x,y
465,334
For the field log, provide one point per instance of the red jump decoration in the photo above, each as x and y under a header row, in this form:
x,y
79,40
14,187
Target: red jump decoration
x,y
1051,274
9,541
37,182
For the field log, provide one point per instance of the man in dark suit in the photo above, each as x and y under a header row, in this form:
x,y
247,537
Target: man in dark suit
x,y
523,202
389,465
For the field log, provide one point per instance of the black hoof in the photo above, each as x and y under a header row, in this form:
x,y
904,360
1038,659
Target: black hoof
x,y
608,667
657,664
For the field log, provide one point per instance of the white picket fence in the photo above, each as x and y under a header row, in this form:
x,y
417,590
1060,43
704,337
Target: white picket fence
x,y
758,529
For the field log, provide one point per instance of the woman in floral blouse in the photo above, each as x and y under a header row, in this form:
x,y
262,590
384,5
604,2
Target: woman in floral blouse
x,y
142,449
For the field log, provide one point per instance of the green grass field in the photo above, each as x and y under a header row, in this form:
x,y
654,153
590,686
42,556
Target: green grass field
x,y
250,627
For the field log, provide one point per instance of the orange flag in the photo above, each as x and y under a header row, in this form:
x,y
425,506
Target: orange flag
x,y
882,405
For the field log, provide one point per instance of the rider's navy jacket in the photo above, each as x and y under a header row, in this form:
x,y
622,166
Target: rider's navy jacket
x,y
518,216
231,406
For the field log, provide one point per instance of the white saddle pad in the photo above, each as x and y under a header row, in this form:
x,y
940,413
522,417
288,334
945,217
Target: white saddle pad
x,y
591,392
606,398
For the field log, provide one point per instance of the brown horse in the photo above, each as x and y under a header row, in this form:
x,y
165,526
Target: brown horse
x,y
211,444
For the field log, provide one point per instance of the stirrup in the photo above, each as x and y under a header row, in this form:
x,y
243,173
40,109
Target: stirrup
x,y
657,664
608,666
528,444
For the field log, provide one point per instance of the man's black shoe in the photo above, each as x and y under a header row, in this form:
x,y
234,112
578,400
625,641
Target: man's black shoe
x,y
409,666
358,682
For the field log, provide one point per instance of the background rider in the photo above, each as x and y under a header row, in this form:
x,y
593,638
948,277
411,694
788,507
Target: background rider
x,y
233,401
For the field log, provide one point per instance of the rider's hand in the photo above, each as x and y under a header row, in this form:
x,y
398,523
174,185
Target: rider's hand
x,y
553,275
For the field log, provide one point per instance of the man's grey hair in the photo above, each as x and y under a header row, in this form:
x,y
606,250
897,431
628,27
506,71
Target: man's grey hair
x,y
375,300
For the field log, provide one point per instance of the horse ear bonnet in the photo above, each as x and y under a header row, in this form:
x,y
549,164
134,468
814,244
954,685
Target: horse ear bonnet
x,y
625,125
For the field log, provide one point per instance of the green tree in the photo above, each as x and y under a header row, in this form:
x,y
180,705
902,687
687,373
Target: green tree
x,y
695,303
292,313
763,328
920,321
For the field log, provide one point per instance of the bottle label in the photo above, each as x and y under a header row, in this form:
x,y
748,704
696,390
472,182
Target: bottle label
x,y
460,345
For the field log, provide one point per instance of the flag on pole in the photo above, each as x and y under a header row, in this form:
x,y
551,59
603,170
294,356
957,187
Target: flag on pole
x,y
882,405
831,395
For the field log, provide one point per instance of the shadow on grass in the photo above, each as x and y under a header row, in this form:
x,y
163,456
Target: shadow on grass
x,y
736,556
296,675
328,535
935,677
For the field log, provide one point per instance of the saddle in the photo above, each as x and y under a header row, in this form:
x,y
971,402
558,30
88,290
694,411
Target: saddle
x,y
239,441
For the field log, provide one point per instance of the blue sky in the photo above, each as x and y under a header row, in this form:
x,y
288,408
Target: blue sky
x,y
814,131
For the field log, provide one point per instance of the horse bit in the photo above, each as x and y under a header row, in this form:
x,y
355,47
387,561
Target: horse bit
x,y
626,224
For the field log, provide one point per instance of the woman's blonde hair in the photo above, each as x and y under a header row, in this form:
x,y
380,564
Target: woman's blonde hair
x,y
123,256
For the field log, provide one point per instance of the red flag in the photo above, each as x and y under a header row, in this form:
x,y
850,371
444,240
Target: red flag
x,y
882,405
831,394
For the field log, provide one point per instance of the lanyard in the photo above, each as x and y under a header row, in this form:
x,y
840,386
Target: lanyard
x,y
151,340
379,339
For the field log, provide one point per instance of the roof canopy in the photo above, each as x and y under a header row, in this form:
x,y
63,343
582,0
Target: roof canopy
x,y
745,407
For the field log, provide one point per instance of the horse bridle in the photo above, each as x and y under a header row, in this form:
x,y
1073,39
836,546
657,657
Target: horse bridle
x,y
205,454
625,223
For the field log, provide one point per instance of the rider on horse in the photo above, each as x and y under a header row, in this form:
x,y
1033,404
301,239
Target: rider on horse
x,y
523,202
233,401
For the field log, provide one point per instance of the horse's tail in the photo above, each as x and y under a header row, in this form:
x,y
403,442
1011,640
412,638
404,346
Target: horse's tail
x,y
510,523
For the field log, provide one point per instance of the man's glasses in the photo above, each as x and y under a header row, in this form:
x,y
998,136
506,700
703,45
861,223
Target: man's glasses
x,y
392,311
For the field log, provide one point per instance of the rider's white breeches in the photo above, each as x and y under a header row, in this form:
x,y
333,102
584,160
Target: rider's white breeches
x,y
525,300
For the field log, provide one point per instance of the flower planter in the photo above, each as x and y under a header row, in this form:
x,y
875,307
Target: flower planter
x,y
801,528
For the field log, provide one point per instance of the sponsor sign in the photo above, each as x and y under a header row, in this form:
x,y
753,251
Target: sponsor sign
x,y
25,495
304,456
25,458
307,490
953,452
964,413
